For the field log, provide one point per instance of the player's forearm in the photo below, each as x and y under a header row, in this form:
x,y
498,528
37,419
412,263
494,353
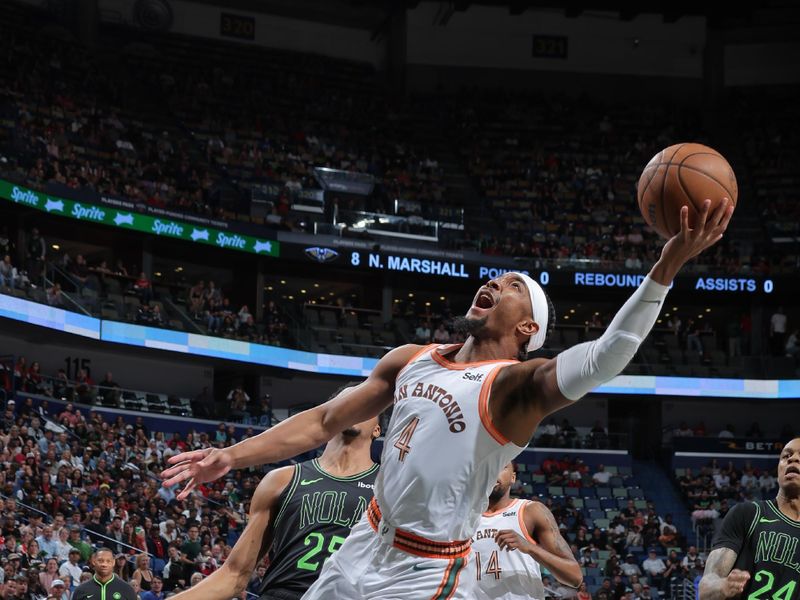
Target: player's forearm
x,y
222,584
712,587
583,367
566,570
300,433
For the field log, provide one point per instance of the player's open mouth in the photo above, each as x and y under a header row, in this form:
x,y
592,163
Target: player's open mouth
x,y
792,471
484,300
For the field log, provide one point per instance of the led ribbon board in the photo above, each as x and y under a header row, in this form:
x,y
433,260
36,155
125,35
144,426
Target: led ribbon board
x,y
123,219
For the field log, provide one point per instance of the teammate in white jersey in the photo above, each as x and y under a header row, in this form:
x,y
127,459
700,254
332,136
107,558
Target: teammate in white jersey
x,y
514,538
461,413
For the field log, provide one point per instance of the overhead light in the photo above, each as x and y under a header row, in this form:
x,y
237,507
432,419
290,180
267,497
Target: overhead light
x,y
427,304
700,316
56,247
316,285
178,269
667,314
157,273
396,300
572,311
302,291
566,317
410,294
674,308
291,297
269,288
708,310
659,321
596,313
283,281
441,297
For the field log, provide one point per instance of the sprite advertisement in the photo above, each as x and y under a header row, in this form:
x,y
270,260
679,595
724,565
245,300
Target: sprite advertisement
x,y
153,225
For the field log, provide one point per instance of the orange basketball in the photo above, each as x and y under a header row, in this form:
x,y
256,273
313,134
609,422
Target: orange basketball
x,y
683,175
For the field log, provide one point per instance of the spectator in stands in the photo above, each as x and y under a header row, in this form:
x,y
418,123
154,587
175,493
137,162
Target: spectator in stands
x,y
143,288
777,332
793,344
654,568
54,296
630,567
422,334
8,273
441,335
693,343
122,566
49,574
683,430
143,575
601,477
727,431
156,592
755,431
47,541
71,568
109,390
692,564
36,251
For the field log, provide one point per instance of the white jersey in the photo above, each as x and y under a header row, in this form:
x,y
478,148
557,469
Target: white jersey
x,y
504,574
442,454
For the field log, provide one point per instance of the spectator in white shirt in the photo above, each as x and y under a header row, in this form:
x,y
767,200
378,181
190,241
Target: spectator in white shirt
x,y
602,477
653,568
71,568
629,567
727,432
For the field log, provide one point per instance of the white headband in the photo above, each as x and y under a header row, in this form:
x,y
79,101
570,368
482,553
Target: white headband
x,y
541,311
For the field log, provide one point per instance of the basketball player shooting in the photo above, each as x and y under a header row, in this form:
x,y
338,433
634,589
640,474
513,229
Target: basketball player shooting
x,y
460,414
515,538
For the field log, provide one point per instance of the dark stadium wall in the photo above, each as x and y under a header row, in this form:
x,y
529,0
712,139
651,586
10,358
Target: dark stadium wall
x,y
132,369
489,37
762,63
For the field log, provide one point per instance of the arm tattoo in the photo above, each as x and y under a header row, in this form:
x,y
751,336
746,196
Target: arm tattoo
x,y
720,562
561,544
718,566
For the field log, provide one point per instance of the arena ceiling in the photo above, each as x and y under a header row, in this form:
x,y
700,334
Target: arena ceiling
x,y
371,14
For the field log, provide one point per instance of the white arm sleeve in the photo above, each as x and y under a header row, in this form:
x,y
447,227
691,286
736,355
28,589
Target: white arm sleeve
x,y
583,367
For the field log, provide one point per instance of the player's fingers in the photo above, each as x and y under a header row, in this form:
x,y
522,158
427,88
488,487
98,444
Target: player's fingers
x,y
726,218
187,490
715,218
702,217
182,476
685,222
187,456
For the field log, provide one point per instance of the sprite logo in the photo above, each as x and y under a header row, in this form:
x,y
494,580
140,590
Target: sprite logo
x,y
116,595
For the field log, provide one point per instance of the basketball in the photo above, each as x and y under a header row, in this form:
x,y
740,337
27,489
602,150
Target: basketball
x,y
683,175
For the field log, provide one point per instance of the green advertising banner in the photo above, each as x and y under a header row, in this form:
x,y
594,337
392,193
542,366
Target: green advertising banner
x,y
153,225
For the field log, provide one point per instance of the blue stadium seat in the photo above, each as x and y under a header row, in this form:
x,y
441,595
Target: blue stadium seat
x,y
591,503
587,492
607,503
603,492
572,492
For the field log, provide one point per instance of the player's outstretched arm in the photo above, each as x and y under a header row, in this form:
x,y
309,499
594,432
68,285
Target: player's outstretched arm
x,y
232,577
719,581
300,433
574,372
551,549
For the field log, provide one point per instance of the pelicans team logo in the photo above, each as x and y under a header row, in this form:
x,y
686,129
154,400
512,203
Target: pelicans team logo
x,y
322,255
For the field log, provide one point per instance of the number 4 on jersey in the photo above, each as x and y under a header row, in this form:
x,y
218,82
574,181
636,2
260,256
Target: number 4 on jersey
x,y
403,443
493,568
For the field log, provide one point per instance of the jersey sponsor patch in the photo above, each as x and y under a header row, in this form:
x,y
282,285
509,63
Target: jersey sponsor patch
x,y
476,377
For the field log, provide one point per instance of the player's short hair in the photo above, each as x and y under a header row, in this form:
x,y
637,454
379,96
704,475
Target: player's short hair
x,y
103,549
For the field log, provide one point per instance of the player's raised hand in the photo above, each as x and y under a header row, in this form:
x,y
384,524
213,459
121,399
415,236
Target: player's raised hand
x,y
509,539
735,583
689,242
198,466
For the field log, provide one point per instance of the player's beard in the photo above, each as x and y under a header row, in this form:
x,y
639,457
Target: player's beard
x,y
351,432
498,491
468,326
